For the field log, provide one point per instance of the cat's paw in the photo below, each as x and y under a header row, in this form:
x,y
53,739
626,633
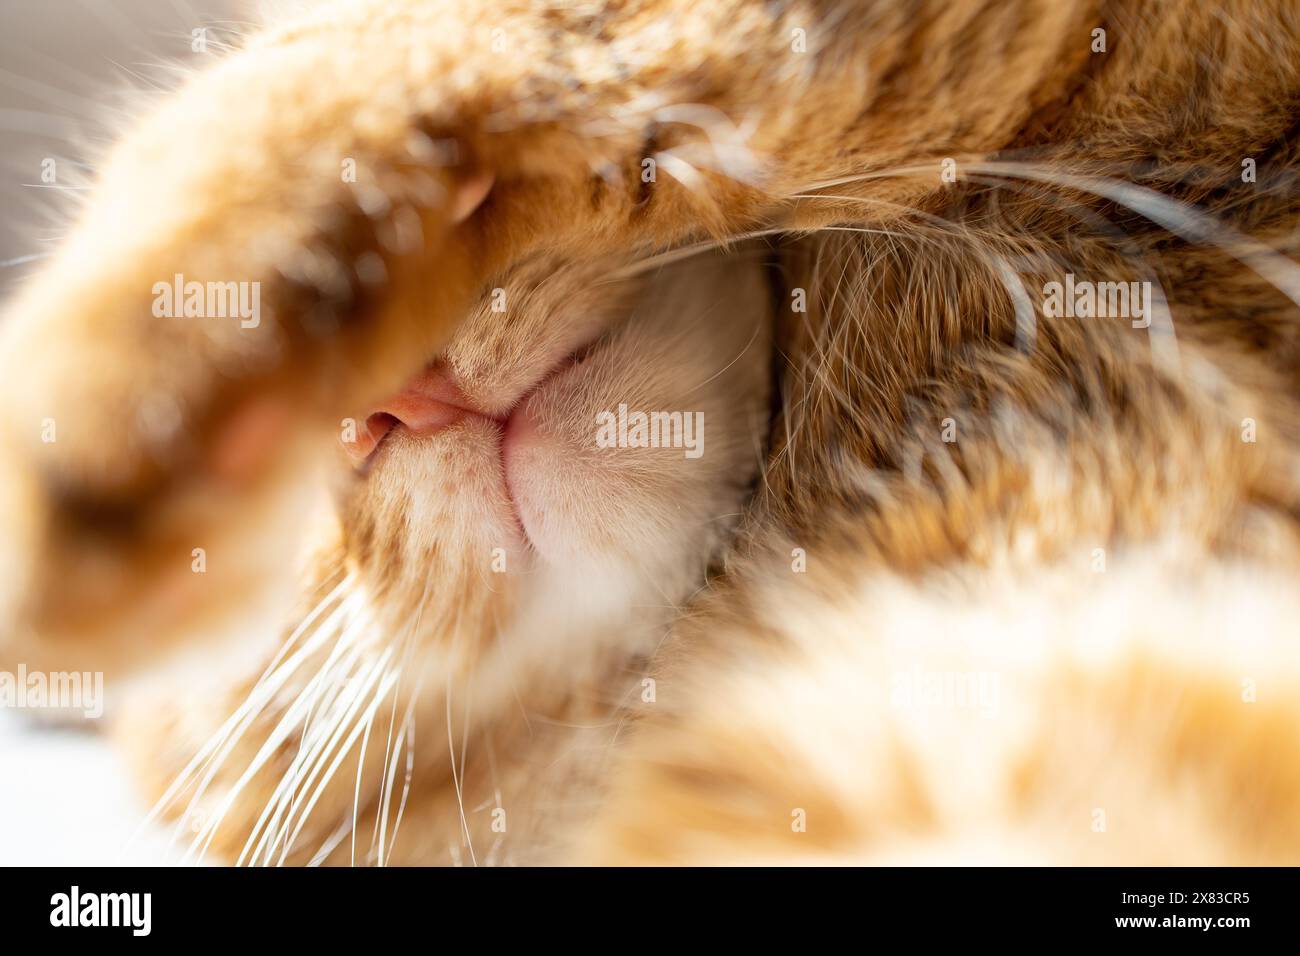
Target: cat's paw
x,y
259,255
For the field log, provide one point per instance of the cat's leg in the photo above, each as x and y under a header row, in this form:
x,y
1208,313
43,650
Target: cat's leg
x,y
329,186
1046,717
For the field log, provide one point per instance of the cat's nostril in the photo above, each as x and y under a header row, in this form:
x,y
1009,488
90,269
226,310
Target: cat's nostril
x,y
378,425
372,430
428,404
419,412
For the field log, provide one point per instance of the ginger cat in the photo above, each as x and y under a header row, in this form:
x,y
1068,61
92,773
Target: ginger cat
x,y
974,538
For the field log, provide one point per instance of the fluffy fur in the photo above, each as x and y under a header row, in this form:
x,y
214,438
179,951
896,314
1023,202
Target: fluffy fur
x,y
952,483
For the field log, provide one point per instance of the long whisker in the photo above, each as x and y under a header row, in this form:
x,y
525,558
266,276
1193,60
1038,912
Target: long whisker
x,y
408,731
389,680
270,682
1181,219
337,668
353,609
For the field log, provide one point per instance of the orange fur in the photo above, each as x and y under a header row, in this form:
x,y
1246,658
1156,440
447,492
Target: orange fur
x,y
975,553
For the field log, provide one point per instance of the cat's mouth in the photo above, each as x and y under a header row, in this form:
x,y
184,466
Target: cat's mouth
x,y
432,402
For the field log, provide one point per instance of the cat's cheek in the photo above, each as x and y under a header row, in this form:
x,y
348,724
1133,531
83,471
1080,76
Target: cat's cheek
x,y
558,493
580,505
526,458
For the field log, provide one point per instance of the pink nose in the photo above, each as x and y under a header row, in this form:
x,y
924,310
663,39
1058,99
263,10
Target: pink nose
x,y
428,404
